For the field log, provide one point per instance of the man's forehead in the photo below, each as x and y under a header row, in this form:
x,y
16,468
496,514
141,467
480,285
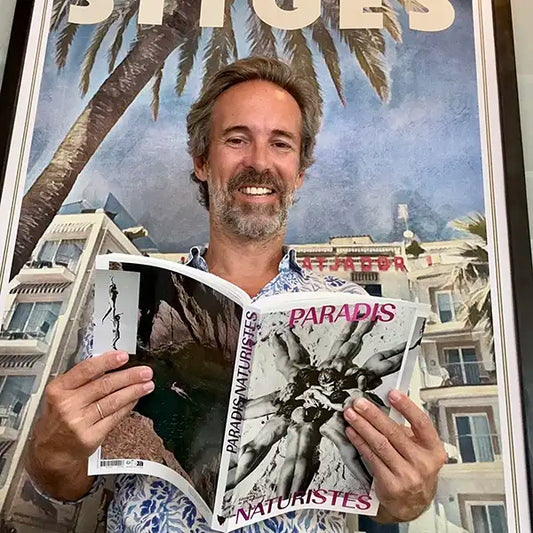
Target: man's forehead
x,y
260,103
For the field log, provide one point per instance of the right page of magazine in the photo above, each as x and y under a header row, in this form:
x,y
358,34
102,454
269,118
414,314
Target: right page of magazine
x,y
312,360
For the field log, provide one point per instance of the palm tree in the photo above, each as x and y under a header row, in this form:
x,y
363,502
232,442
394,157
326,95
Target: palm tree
x,y
146,60
472,277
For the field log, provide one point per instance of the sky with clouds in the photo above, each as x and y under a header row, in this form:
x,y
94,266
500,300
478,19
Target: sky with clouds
x,y
422,148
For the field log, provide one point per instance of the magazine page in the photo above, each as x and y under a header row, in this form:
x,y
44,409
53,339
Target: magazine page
x,y
187,332
315,354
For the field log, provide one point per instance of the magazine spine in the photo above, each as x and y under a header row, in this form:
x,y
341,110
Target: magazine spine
x,y
237,402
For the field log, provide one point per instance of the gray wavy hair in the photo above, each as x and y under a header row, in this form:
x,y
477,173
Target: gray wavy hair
x,y
254,68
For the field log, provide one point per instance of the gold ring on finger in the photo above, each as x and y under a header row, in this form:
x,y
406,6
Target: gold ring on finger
x,y
100,411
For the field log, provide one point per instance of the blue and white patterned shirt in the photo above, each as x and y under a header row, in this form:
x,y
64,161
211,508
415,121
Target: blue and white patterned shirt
x,y
147,504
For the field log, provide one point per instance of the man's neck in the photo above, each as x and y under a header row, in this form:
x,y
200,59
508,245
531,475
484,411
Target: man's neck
x,y
248,264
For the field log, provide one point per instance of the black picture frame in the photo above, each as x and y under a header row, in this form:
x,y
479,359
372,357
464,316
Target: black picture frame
x,y
514,171
9,89
517,215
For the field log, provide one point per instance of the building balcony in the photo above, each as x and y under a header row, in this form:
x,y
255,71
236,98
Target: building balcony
x,y
23,342
435,328
47,272
8,433
456,380
10,419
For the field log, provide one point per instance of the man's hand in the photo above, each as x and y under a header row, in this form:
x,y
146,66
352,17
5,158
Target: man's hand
x,y
405,462
81,408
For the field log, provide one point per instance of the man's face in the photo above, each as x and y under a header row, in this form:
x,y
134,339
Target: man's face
x,y
253,165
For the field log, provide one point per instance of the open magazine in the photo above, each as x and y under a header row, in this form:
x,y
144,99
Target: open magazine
x,y
246,415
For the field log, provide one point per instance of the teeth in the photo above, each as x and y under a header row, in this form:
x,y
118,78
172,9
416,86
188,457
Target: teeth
x,y
256,191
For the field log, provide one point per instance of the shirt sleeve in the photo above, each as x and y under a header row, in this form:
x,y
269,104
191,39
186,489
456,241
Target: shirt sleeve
x,y
97,483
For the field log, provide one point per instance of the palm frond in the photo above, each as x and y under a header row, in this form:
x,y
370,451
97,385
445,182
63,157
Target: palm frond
x,y
222,47
473,224
156,92
188,50
459,277
323,39
60,9
297,51
390,21
475,252
125,17
368,46
412,5
90,55
260,35
64,40
476,308
472,277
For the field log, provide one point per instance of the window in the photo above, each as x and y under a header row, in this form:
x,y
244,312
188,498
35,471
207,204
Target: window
x,y
462,366
33,319
61,253
373,289
488,518
15,392
474,438
448,307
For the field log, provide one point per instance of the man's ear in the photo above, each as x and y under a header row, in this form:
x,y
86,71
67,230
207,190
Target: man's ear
x,y
200,168
300,179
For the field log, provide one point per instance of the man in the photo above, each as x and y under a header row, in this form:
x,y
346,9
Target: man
x,y
251,137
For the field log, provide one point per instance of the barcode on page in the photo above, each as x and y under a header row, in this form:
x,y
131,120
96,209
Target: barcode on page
x,y
112,462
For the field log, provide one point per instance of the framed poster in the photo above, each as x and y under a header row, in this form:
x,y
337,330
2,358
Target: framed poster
x,y
408,196
15,16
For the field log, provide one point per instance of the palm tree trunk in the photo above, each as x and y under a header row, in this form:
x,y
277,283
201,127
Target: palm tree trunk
x,y
44,198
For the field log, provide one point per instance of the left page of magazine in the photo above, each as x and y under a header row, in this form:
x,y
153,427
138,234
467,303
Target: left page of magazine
x,y
187,331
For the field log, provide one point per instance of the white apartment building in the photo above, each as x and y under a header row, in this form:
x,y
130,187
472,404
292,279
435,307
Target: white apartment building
x,y
458,388
455,380
41,331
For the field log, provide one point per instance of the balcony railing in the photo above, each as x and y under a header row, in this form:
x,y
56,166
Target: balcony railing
x,y
460,374
467,373
11,418
38,270
65,262
473,448
42,333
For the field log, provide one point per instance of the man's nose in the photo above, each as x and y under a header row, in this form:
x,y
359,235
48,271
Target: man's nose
x,y
259,157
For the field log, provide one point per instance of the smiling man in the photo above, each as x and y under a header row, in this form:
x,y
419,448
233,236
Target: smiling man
x,y
251,136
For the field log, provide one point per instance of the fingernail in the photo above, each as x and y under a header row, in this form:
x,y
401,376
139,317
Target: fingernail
x,y
395,396
122,357
149,387
351,433
146,373
361,404
350,414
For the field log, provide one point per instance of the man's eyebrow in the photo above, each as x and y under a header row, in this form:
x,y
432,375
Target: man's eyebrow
x,y
236,129
285,133
246,129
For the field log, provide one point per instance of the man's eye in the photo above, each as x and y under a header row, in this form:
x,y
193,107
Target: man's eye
x,y
235,141
283,145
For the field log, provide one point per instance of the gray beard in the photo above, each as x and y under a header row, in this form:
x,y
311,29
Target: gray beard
x,y
260,222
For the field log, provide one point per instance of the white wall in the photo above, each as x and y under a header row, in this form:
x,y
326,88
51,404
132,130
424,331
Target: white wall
x,y
6,17
522,22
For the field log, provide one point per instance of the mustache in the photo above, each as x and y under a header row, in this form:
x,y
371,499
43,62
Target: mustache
x,y
254,178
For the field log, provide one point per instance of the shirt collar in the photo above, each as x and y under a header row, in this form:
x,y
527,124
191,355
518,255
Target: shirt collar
x,y
287,264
